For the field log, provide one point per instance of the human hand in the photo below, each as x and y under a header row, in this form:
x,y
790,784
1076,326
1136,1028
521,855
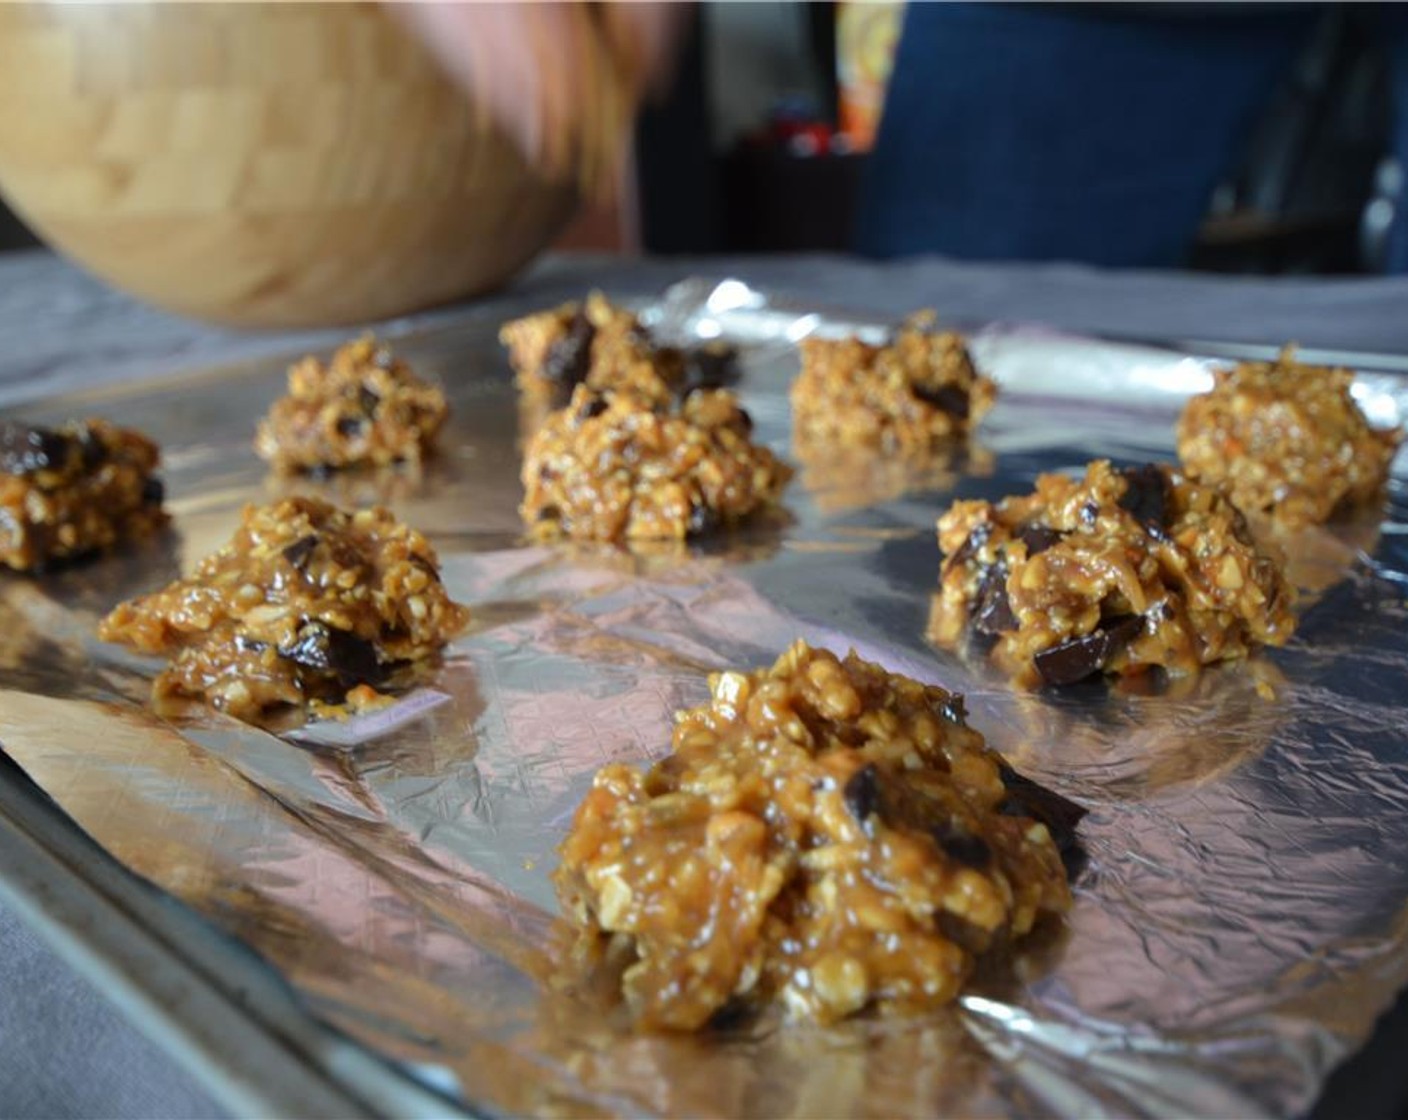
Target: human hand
x,y
563,79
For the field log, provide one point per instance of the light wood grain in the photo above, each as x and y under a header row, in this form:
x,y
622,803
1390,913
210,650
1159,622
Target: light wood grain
x,y
260,164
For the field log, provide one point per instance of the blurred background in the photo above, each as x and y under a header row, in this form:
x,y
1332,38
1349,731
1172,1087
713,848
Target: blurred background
x,y
790,95
761,143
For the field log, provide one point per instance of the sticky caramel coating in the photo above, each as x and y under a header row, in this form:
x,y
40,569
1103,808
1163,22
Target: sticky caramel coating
x,y
85,487
364,408
306,606
909,397
618,466
1116,573
825,834
1286,439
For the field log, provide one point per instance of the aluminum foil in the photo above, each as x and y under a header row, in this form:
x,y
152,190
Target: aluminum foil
x,y
1240,924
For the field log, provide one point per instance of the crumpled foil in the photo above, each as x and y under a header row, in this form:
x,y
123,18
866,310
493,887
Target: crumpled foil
x,y
1241,921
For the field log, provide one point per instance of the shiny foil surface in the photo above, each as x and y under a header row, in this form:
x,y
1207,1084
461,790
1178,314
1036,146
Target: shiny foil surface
x,y
1241,921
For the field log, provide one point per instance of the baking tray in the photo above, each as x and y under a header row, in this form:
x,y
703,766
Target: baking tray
x,y
1065,400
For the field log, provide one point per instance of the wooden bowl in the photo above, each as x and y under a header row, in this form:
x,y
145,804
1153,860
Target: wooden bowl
x,y
260,164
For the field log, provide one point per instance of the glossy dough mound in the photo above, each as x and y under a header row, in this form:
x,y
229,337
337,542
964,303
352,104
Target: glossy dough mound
x,y
916,394
604,346
1286,440
74,490
826,834
618,465
307,605
364,408
1117,572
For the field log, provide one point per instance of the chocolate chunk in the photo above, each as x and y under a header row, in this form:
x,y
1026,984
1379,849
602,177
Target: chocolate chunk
x,y
962,931
972,544
1122,628
300,551
849,734
946,398
861,793
735,1012
368,399
961,846
669,360
345,554
594,405
1060,815
1073,660
153,492
425,566
1146,497
1038,538
703,518
1074,859
992,614
872,794
568,360
350,425
954,710
1027,798
94,452
550,513
714,365
1077,658
351,659
28,450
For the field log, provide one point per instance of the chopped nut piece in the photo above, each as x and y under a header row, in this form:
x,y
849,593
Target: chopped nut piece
x,y
1115,573
1285,439
916,394
827,835
616,465
75,490
364,408
306,606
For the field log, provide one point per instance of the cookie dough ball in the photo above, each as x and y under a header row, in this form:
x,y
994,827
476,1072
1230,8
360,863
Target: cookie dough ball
x,y
617,465
1116,572
826,835
604,346
1286,440
69,492
364,408
917,393
308,606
